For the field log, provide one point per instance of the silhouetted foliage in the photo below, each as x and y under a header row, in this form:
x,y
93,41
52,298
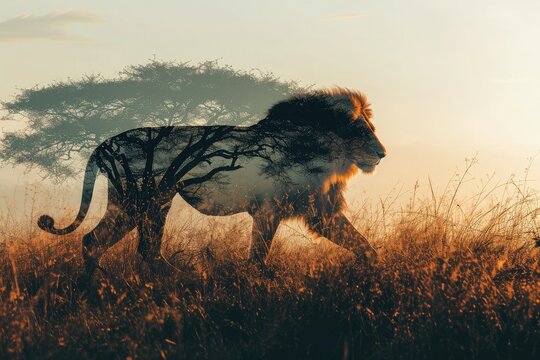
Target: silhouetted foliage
x,y
67,120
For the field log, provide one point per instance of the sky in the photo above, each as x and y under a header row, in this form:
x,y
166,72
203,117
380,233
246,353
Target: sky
x,y
447,80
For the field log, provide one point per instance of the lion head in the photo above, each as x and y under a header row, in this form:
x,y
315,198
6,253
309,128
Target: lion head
x,y
339,119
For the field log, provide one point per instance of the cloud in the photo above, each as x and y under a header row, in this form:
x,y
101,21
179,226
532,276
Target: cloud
x,y
51,26
351,15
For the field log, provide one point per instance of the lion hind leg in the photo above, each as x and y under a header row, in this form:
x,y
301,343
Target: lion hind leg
x,y
150,230
111,229
150,237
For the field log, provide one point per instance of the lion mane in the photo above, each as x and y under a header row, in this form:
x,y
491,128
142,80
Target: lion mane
x,y
328,108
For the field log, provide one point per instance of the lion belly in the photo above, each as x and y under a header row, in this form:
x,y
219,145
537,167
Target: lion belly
x,y
249,188
234,192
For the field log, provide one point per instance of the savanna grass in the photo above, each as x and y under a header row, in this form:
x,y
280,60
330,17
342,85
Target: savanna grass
x,y
455,279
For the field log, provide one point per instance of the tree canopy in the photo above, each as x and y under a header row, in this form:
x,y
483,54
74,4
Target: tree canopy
x,y
64,121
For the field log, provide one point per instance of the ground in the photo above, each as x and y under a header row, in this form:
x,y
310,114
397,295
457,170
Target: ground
x,y
442,288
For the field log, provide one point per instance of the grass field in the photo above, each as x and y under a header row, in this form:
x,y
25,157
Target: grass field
x,y
454,280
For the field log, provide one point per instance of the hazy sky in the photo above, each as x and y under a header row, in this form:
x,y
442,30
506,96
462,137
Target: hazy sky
x,y
456,76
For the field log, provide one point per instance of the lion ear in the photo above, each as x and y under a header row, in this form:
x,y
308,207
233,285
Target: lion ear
x,y
344,110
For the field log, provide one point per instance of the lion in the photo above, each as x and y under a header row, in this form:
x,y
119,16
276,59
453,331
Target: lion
x,y
294,163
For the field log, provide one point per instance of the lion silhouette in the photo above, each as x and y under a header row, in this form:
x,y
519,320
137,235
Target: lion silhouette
x,y
294,163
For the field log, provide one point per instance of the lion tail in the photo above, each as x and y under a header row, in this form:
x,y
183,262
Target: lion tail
x,y
46,223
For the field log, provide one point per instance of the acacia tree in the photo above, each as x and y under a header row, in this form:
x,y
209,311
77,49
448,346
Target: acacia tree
x,y
64,121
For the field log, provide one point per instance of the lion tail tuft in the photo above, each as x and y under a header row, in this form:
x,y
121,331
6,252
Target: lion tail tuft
x,y
46,223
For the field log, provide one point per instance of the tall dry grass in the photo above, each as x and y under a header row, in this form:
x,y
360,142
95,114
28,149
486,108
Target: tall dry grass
x,y
457,278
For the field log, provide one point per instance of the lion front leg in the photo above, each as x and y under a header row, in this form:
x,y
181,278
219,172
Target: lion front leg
x,y
265,225
340,231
